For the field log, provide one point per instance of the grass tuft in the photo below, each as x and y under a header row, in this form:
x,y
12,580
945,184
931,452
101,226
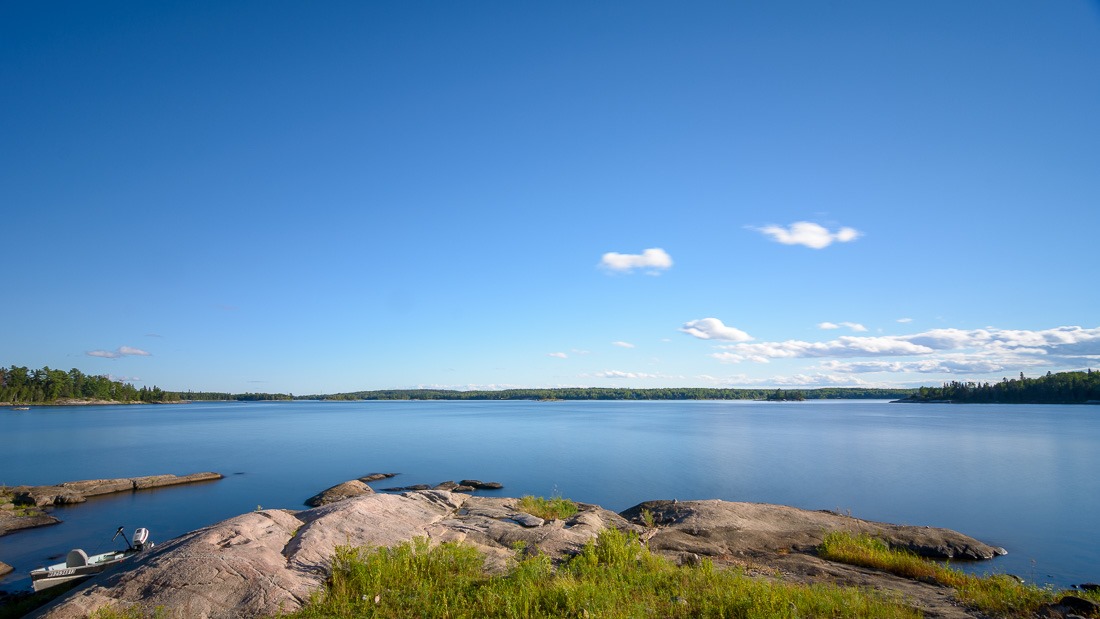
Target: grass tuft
x,y
614,577
554,508
998,594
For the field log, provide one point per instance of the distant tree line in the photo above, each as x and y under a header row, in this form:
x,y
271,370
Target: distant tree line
x,y
25,386
610,393
1061,388
206,396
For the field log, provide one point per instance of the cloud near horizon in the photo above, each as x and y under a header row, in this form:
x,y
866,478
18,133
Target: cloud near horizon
x,y
654,260
976,350
122,351
809,234
714,329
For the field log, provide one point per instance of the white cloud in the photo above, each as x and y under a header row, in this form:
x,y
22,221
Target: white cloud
x,y
854,326
559,355
654,260
905,320
809,234
952,364
578,351
714,329
623,344
847,346
937,351
122,351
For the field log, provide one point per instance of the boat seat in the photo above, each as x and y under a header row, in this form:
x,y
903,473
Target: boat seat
x,y
76,558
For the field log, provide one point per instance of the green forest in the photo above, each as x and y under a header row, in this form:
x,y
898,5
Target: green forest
x,y
1062,388
20,385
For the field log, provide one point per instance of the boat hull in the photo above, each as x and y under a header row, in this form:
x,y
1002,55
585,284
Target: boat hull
x,y
54,575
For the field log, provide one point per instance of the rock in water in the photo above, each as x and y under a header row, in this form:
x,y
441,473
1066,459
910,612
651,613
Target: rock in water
x,y
376,477
339,492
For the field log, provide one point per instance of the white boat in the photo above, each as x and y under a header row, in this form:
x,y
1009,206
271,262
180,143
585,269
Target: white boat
x,y
79,565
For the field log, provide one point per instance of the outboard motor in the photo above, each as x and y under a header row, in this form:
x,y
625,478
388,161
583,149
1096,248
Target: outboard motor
x,y
141,536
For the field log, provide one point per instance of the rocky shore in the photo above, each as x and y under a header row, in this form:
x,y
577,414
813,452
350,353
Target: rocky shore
x,y
260,563
23,507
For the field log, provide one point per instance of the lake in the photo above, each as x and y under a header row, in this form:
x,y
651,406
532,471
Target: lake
x,y
1024,477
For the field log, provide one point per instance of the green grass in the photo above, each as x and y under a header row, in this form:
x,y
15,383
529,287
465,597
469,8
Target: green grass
x,y
997,594
613,577
555,508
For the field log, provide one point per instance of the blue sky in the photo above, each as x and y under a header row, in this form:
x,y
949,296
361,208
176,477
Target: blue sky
x,y
313,198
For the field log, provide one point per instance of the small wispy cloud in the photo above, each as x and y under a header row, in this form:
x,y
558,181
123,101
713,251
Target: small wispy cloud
x,y
121,351
580,351
809,234
905,320
714,329
623,344
559,355
653,260
854,326
621,374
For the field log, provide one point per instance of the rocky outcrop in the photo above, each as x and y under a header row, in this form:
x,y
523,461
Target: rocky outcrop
x,y
5,568
339,492
78,491
262,562
269,561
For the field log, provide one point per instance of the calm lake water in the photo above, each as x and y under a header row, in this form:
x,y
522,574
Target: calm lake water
x,y
1022,477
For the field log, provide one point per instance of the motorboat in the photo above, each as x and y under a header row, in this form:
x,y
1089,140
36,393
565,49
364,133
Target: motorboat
x,y
78,564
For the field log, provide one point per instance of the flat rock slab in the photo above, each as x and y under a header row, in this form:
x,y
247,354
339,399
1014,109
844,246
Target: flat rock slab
x,y
723,527
5,568
261,563
70,492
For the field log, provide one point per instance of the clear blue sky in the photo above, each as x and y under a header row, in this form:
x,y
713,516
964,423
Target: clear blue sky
x,y
324,197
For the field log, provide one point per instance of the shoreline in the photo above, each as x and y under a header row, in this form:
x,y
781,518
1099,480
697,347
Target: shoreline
x,y
765,541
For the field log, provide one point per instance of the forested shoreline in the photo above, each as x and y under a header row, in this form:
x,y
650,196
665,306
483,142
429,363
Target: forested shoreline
x,y
20,386
1061,388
